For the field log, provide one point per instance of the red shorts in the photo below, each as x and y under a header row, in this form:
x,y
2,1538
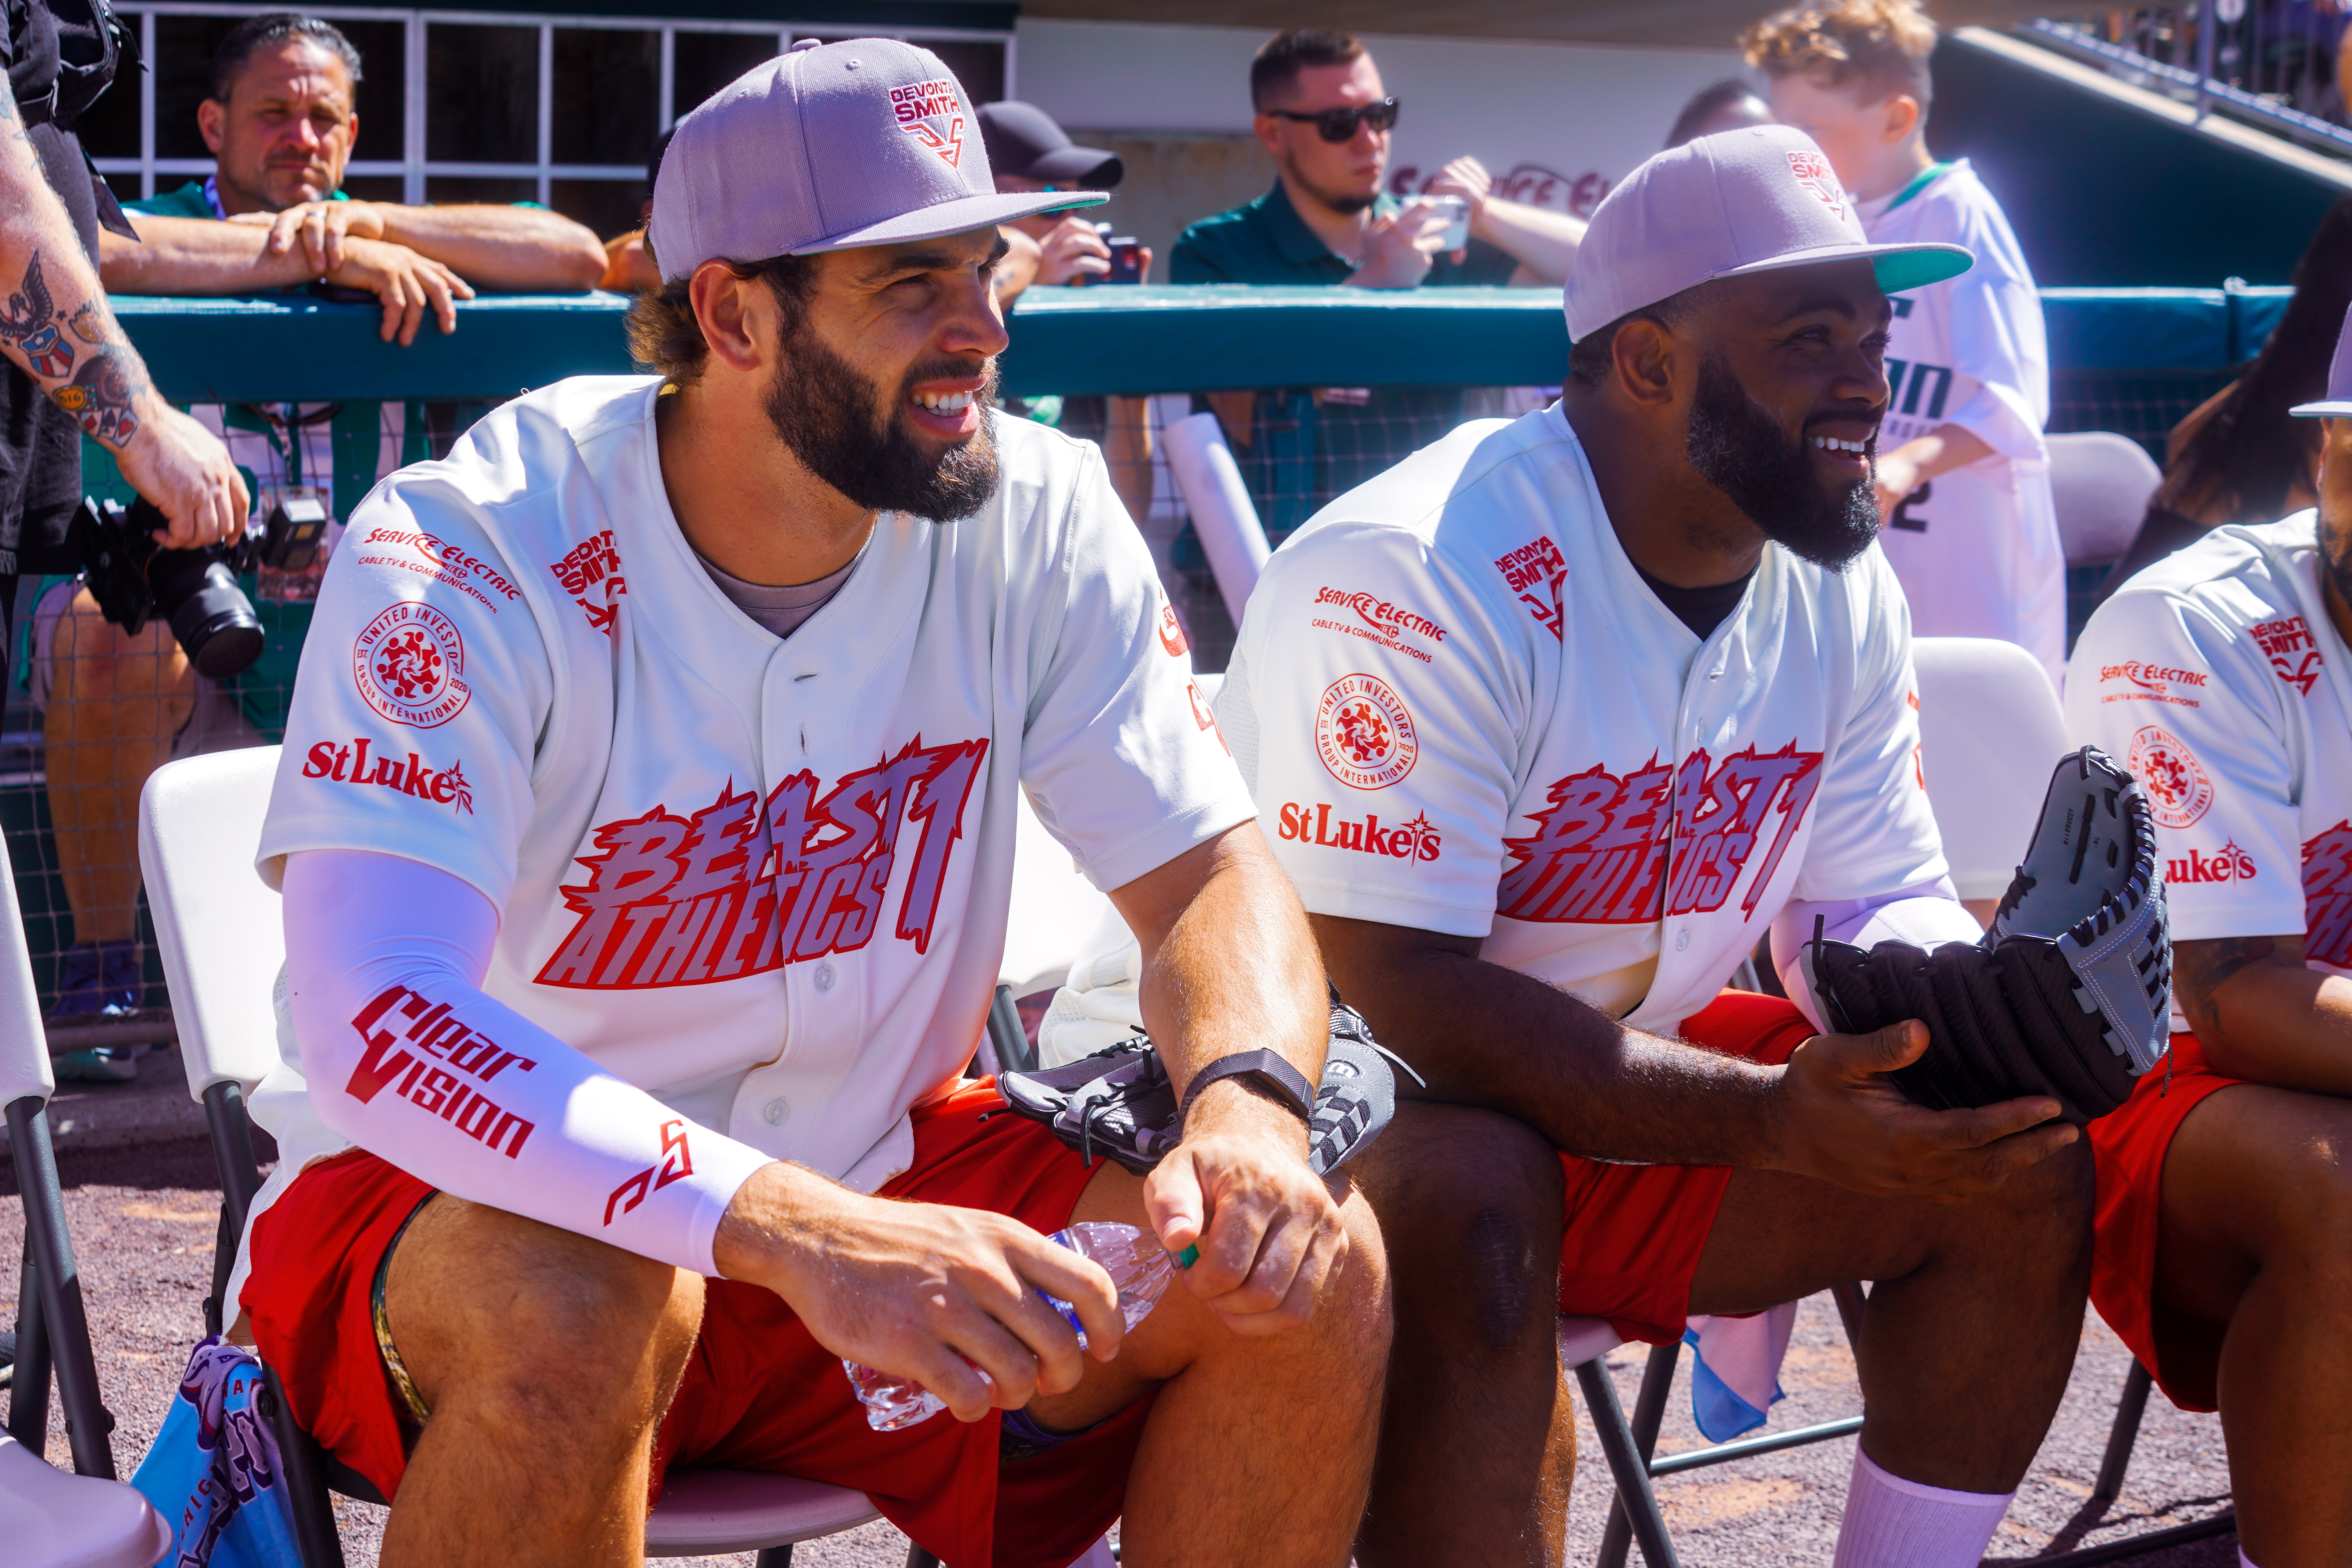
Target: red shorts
x,y
2128,1149
758,1394
1634,1233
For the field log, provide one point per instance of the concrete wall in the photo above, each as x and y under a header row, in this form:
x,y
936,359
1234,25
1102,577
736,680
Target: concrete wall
x,y
1557,123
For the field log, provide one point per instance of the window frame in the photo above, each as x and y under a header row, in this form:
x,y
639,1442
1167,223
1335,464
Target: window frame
x,y
413,168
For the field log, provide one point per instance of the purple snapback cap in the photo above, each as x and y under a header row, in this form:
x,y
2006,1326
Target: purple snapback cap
x,y
1756,199
827,146
2337,404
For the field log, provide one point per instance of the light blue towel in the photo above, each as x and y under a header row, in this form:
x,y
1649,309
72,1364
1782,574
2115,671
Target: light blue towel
x,y
214,1472
1735,1369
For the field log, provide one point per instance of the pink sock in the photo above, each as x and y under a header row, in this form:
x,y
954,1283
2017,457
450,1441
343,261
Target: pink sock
x,y
1894,1524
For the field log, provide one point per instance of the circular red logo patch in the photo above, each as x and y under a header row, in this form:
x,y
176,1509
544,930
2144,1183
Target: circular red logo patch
x,y
2178,791
410,663
1364,734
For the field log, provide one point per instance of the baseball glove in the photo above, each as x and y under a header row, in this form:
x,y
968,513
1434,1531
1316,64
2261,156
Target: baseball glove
x,y
2069,995
1118,1102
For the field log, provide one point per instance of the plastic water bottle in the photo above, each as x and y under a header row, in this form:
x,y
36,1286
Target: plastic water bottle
x,y
1139,1268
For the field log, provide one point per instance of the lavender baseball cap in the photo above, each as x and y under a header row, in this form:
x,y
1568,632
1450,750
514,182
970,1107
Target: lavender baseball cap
x,y
2337,404
1756,199
827,146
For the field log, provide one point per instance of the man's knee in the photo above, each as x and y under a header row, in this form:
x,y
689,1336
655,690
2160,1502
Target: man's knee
x,y
93,659
1470,1202
487,1304
2043,1212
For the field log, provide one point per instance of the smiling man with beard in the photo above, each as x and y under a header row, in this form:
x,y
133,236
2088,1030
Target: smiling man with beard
x,y
1554,720
646,826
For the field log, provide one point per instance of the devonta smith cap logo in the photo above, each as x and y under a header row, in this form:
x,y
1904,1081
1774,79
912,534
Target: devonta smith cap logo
x,y
1812,171
1364,734
932,113
409,664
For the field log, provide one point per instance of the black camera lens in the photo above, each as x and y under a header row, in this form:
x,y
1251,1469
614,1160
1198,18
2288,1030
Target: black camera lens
x,y
211,617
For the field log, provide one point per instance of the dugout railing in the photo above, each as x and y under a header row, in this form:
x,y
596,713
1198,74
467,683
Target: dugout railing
x,y
1316,388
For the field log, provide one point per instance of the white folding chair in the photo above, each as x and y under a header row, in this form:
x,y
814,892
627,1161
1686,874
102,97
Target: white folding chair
x,y
1989,732
223,943
2100,483
85,1518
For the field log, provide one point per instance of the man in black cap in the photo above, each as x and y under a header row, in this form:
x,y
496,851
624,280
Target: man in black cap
x,y
1028,152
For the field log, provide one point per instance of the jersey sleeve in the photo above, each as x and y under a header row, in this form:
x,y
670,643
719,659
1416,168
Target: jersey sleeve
x,y
421,693
1119,753
1998,336
2194,711
1380,708
1873,830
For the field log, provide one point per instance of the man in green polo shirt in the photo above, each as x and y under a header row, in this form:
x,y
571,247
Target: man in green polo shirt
x,y
1325,118
280,121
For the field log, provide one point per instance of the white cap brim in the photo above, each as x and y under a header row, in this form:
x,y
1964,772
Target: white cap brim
x,y
1900,267
959,217
2327,408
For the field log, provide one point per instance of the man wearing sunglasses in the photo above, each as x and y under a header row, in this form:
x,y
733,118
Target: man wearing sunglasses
x,y
1325,118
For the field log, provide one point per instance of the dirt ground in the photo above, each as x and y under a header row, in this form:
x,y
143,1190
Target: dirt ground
x,y
143,1217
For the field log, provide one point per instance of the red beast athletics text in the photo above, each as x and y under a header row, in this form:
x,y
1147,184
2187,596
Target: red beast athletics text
x,y
739,889
1598,855
415,1029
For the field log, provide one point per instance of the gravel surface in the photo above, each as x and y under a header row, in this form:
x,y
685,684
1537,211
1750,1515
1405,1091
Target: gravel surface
x,y
143,1218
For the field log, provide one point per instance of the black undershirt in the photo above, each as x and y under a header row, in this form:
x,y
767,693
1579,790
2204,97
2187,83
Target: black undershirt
x,y
1701,609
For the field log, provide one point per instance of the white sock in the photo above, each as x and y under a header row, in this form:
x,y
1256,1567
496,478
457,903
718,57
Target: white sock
x,y
2244,1561
1894,1524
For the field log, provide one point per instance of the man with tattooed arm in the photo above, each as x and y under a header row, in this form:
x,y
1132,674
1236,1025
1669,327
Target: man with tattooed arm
x,y
2223,677
70,368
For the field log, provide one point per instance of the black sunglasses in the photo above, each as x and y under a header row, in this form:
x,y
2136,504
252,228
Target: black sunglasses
x,y
1340,124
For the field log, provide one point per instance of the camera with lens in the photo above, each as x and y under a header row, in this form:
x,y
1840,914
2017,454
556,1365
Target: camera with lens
x,y
135,579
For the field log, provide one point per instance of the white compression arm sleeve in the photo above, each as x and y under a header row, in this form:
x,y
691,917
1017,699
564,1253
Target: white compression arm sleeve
x,y
1928,914
406,1056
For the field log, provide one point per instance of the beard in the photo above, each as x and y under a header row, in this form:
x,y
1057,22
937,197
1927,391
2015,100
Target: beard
x,y
821,408
1742,451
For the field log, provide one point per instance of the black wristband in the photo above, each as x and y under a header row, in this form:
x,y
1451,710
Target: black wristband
x,y
1270,1067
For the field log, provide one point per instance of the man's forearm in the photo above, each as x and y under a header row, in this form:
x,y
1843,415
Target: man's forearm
x,y
56,326
508,247
196,255
2261,1016
1492,1037
1543,243
1231,967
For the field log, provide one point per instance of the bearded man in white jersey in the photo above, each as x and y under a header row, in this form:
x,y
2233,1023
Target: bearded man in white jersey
x,y
1553,721
2224,674
646,826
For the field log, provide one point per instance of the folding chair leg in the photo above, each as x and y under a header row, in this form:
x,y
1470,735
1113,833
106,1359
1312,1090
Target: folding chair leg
x,y
28,1386
2124,1434
1649,1414
88,1421
1625,1464
915,1556
305,1463
774,1557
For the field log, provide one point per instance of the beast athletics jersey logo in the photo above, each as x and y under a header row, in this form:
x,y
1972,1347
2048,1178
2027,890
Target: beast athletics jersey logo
x,y
1363,732
410,664
1599,852
2327,896
742,887
919,108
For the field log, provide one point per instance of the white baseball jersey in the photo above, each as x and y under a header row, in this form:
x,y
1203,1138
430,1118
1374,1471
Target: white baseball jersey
x,y
763,880
2217,678
1976,548
1461,709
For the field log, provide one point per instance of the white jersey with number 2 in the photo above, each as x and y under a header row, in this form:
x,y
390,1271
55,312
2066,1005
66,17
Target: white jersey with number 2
x,y
1976,548
1461,709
